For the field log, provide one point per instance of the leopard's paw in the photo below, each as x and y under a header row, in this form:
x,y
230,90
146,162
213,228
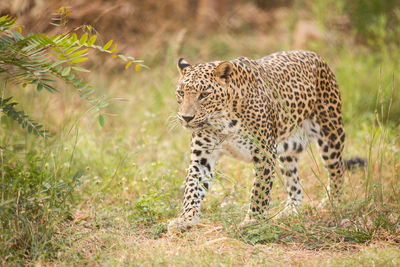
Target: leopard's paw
x,y
182,224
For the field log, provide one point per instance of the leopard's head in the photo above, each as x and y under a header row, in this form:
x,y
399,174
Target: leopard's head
x,y
202,92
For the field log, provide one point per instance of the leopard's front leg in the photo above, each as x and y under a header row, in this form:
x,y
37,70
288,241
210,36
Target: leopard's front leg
x,y
264,170
205,150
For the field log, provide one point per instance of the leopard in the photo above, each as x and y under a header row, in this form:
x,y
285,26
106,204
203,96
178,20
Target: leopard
x,y
267,112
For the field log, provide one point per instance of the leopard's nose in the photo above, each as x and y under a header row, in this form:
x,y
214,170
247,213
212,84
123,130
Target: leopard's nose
x,y
188,118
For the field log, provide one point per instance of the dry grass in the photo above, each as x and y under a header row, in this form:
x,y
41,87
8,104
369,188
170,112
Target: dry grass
x,y
112,240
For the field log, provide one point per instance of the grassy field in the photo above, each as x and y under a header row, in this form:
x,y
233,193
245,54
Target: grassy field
x,y
104,196
128,182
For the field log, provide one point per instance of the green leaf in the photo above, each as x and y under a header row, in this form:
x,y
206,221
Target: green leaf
x,y
83,39
95,99
70,76
17,36
74,38
101,105
77,81
92,40
80,69
50,88
88,92
78,53
82,86
47,80
72,49
80,59
113,49
101,120
55,64
66,71
107,45
39,87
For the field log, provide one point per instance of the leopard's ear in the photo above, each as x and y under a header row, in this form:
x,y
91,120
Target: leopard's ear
x,y
223,72
182,64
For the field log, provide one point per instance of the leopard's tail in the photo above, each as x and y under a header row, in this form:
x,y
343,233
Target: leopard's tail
x,y
355,162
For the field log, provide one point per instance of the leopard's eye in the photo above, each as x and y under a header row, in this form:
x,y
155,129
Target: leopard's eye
x,y
181,93
203,95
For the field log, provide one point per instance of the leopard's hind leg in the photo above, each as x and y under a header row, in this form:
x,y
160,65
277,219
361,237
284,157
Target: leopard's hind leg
x,y
289,152
332,136
331,145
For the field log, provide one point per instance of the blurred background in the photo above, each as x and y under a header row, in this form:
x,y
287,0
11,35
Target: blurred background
x,y
251,27
357,37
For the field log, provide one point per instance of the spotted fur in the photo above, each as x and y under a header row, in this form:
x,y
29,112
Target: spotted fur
x,y
258,111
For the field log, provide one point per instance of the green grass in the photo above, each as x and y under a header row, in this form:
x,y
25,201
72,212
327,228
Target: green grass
x,y
103,196
36,185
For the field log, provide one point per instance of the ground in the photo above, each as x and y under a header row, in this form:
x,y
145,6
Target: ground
x,y
117,243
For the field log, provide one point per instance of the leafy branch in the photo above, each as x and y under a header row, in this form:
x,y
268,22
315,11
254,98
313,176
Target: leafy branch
x,y
7,107
40,60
